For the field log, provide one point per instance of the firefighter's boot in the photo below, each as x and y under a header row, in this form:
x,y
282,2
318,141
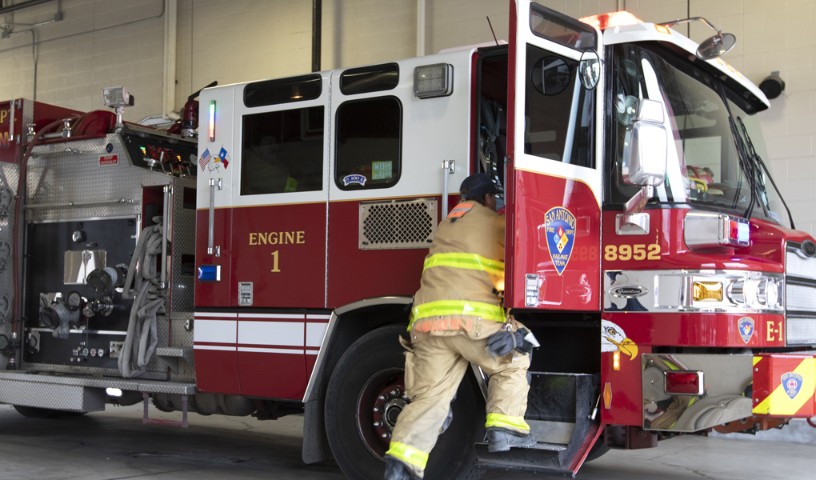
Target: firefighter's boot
x,y
396,470
501,440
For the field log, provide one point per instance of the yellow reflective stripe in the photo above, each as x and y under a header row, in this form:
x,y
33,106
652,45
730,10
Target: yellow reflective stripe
x,y
468,261
506,421
779,403
408,455
671,365
444,308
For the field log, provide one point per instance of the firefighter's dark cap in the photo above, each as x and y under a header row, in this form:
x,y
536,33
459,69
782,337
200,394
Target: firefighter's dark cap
x,y
476,186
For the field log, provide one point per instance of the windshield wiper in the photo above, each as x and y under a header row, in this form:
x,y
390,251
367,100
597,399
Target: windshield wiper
x,y
757,163
745,163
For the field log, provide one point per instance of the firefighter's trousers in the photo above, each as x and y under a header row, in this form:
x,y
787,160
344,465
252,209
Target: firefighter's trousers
x,y
433,371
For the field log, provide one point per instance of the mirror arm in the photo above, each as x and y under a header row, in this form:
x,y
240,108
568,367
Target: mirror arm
x,y
637,203
689,20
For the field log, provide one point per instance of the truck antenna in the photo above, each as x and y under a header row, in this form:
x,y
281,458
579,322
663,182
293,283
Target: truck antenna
x,y
491,29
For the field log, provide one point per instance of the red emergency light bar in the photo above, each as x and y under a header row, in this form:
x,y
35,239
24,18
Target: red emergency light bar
x,y
739,232
612,19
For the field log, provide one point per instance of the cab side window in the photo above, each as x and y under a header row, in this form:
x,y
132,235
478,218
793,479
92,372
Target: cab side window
x,y
282,151
369,137
558,111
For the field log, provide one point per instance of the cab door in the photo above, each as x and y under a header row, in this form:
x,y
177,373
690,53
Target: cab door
x,y
263,175
279,194
554,160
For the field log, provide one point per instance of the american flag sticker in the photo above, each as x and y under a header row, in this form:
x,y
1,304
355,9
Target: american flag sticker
x,y
205,158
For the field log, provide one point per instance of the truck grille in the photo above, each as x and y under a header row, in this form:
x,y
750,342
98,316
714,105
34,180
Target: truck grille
x,y
800,296
397,224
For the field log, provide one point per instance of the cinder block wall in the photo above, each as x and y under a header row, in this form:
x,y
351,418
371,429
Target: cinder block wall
x,y
122,42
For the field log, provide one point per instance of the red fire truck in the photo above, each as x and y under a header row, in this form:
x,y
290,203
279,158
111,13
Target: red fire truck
x,y
267,268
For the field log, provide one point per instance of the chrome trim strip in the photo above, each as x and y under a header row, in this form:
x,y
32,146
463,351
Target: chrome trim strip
x,y
670,291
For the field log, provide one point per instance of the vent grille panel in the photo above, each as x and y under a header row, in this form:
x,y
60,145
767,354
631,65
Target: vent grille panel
x,y
800,296
397,224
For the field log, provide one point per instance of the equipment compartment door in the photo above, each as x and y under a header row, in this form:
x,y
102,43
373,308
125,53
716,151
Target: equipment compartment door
x,y
553,179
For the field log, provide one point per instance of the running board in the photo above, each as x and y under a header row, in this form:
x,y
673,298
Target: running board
x,y
75,393
537,459
555,399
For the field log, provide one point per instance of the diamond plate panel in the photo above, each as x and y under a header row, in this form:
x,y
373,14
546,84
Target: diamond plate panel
x,y
43,395
176,336
183,241
66,182
139,385
8,188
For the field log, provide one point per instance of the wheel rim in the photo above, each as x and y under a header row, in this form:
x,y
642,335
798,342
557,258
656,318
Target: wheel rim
x,y
379,403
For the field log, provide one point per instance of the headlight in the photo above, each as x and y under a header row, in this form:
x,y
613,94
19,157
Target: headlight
x,y
754,293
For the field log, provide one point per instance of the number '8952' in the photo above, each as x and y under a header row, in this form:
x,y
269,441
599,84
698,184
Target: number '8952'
x,y
638,252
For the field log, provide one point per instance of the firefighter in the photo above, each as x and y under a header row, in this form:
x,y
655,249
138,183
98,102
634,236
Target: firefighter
x,y
458,318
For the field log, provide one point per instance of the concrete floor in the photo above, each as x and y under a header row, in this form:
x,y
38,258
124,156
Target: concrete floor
x,y
116,445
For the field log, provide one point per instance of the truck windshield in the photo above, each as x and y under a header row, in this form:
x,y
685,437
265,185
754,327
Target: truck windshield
x,y
716,159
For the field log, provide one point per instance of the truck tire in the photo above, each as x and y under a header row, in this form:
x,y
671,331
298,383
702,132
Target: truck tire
x,y
363,399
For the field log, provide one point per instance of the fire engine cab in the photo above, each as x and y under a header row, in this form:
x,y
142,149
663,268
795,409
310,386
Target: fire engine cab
x,y
268,268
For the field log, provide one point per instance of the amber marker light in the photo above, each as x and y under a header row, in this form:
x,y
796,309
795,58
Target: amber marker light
x,y
712,291
607,395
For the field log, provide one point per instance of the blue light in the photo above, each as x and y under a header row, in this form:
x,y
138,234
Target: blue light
x,y
209,273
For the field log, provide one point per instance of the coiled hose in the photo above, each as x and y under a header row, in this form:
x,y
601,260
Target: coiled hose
x,y
142,284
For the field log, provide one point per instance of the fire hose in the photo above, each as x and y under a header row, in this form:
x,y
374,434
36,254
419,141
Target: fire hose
x,y
142,284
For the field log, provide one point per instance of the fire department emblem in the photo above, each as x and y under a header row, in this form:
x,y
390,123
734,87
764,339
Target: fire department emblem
x,y
792,383
559,225
745,325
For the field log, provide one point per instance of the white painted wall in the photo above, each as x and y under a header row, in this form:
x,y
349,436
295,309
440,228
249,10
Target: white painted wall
x,y
121,42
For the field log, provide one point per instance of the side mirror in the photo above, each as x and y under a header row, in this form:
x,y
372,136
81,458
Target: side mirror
x,y
646,146
589,69
716,46
712,47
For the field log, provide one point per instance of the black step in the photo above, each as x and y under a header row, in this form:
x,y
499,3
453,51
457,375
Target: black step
x,y
550,447
543,458
555,398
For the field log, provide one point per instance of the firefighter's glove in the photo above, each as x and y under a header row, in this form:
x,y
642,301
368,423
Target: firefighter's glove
x,y
503,342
